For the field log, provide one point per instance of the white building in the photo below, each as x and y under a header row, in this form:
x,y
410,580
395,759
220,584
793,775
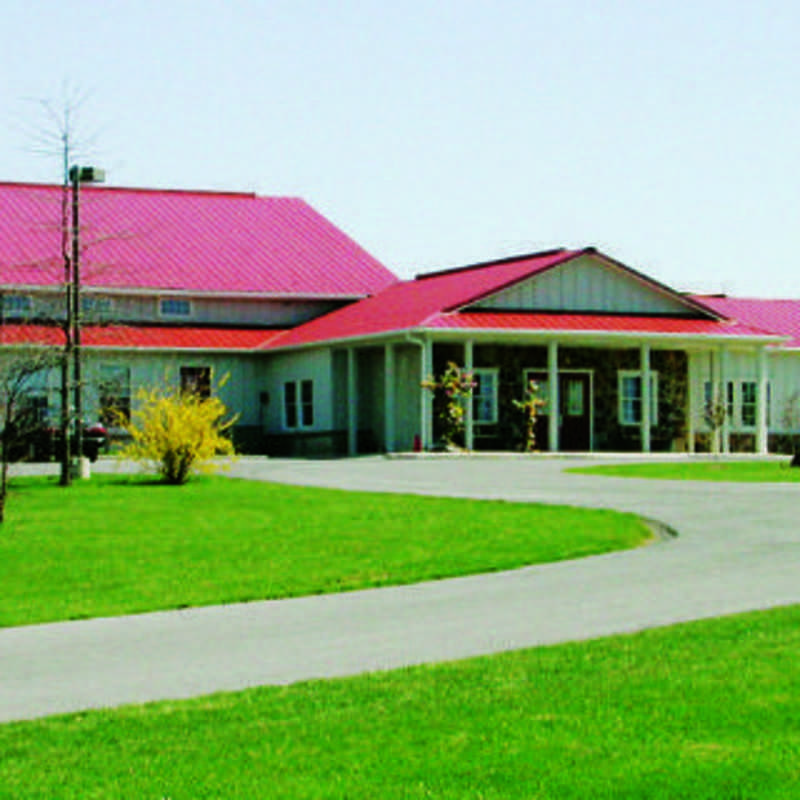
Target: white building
x,y
327,349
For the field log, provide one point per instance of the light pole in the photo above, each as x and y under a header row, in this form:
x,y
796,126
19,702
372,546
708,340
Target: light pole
x,y
77,176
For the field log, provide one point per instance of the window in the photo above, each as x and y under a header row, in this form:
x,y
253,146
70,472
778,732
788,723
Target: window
x,y
741,404
17,305
484,396
575,397
630,398
35,407
175,307
95,306
114,394
196,380
298,404
748,407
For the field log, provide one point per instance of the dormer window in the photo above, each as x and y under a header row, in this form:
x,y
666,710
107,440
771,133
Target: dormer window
x,y
175,307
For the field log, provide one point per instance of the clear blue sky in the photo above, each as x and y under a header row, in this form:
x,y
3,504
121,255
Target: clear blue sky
x,y
443,133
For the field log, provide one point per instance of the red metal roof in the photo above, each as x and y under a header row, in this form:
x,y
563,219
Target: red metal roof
x,y
142,337
433,302
185,241
778,316
411,304
592,323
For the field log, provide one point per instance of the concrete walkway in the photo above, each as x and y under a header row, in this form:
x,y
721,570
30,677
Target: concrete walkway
x,y
738,549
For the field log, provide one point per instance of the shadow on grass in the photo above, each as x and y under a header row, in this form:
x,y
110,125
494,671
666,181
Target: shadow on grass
x,y
26,484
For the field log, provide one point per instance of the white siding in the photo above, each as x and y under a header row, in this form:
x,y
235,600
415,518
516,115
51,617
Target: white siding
x,y
205,310
314,365
783,368
588,285
784,377
240,393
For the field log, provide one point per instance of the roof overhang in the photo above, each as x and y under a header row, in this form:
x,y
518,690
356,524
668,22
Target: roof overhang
x,y
154,292
587,338
143,339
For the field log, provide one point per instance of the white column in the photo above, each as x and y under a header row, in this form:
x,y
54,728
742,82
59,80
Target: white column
x,y
762,396
723,382
352,402
426,397
645,372
691,400
553,402
717,395
469,431
389,399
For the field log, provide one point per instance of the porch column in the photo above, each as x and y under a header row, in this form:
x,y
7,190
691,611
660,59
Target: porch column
x,y
716,396
645,384
723,382
352,402
426,397
388,399
469,430
762,399
552,397
690,403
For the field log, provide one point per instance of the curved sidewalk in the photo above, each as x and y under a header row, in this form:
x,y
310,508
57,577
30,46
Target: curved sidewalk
x,y
738,549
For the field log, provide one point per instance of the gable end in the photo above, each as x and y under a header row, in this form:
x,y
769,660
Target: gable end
x,y
592,284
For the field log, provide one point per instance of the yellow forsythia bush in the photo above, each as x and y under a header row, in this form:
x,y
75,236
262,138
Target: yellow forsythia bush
x,y
177,432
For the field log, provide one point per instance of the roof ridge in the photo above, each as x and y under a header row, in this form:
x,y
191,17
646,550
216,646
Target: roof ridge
x,y
249,195
745,298
498,261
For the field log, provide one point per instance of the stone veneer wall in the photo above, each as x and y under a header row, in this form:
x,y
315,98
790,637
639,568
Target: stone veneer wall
x,y
609,435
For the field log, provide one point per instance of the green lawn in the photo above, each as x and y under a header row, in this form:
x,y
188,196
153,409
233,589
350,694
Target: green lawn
x,y
703,711
117,545
742,471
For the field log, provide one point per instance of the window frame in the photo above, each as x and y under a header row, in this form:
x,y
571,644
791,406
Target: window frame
x,y
748,405
298,411
622,376
477,397
735,403
197,379
35,402
171,313
117,393
96,305
17,305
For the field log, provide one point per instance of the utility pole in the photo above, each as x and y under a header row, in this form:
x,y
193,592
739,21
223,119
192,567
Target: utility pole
x,y
77,176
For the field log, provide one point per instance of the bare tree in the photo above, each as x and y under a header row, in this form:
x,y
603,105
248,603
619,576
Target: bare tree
x,y
18,369
54,135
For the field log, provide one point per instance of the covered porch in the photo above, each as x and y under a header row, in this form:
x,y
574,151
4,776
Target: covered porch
x,y
594,382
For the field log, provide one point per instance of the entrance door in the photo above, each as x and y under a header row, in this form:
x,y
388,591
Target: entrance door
x,y
575,411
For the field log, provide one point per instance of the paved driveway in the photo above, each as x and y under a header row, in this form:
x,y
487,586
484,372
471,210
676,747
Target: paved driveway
x,y
738,548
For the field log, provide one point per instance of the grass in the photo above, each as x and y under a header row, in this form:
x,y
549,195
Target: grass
x,y
735,471
702,710
117,545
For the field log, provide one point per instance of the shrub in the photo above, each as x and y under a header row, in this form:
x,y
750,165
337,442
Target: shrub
x,y
177,432
530,407
454,388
